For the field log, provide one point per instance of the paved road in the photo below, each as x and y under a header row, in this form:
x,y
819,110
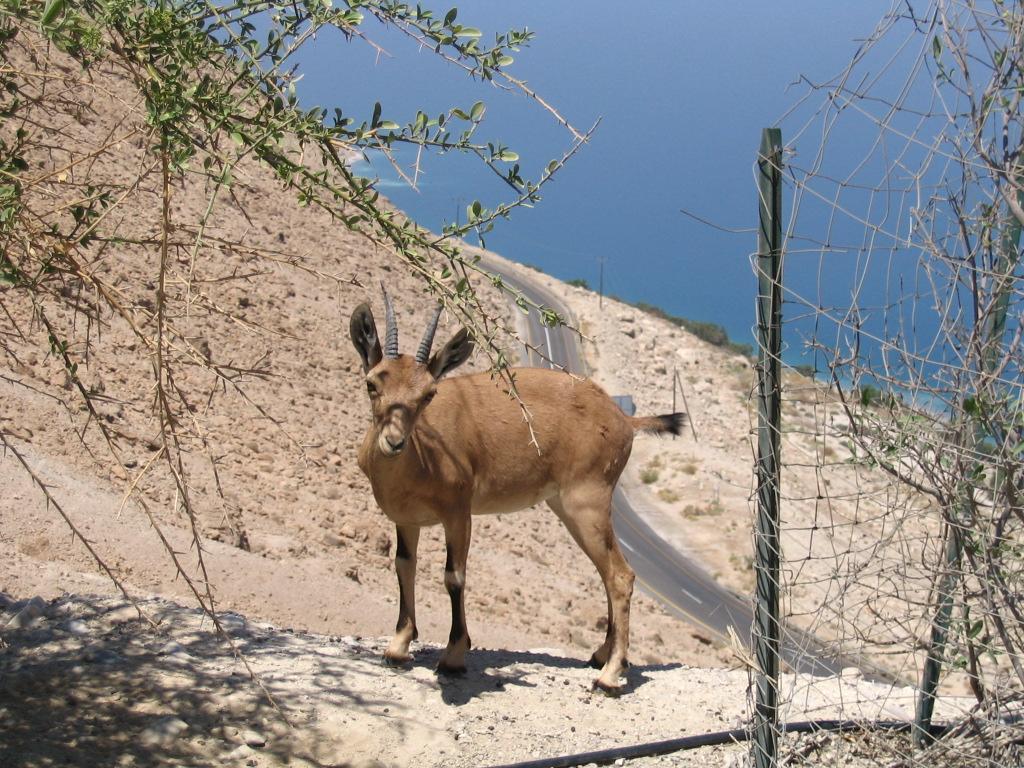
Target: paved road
x,y
684,588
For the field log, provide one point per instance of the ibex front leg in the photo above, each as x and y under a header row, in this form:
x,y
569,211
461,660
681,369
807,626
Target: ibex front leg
x,y
457,531
408,537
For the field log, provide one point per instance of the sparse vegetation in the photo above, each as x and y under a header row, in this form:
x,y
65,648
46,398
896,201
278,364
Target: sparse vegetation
x,y
578,282
712,509
649,475
804,369
712,333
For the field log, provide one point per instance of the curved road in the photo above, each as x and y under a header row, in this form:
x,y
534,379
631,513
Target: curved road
x,y
684,588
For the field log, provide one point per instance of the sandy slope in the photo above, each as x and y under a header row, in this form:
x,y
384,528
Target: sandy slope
x,y
271,464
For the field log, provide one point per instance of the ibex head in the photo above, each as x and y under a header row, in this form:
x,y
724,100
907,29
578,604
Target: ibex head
x,y
400,387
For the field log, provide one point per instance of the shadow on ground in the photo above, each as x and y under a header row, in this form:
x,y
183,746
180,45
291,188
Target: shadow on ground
x,y
486,672
88,685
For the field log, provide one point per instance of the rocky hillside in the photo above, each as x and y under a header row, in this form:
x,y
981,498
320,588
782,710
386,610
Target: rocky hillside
x,y
271,409
274,407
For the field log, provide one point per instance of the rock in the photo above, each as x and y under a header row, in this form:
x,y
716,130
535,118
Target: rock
x,y
254,739
175,653
121,615
103,656
163,731
382,544
233,621
77,627
31,611
631,332
741,361
171,647
241,752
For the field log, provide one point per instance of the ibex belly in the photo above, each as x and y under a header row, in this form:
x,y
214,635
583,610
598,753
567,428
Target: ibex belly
x,y
492,499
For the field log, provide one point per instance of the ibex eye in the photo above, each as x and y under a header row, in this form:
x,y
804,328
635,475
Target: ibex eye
x,y
371,389
429,397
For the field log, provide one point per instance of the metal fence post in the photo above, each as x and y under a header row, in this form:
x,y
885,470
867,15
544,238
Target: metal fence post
x,y
769,337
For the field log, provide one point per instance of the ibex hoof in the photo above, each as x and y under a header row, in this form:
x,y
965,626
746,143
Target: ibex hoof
x,y
598,664
396,659
609,690
450,670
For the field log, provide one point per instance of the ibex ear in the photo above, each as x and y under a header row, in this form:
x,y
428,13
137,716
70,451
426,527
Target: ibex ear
x,y
363,331
454,354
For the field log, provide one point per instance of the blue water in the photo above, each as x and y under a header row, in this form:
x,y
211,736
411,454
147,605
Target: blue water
x,y
682,89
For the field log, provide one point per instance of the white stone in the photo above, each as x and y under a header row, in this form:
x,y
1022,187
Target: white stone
x,y
241,752
171,648
77,627
32,610
163,731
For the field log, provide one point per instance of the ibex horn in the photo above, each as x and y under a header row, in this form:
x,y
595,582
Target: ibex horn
x,y
391,328
428,338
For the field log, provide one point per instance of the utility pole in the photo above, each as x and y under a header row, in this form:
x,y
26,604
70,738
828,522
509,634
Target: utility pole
x,y
600,281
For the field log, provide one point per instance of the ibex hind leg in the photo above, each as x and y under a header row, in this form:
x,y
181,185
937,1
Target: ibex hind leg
x,y
586,512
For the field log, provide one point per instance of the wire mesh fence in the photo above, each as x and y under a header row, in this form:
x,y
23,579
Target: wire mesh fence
x,y
902,418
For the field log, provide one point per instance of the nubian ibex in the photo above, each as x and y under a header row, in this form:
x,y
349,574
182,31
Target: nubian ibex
x,y
438,452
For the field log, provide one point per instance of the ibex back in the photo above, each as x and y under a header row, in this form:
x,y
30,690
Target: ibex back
x,y
438,452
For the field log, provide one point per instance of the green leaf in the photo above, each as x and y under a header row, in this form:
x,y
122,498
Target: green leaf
x,y
467,32
504,61
52,10
507,156
450,16
476,112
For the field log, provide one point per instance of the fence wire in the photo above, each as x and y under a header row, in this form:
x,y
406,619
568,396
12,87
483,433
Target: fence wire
x,y
902,431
